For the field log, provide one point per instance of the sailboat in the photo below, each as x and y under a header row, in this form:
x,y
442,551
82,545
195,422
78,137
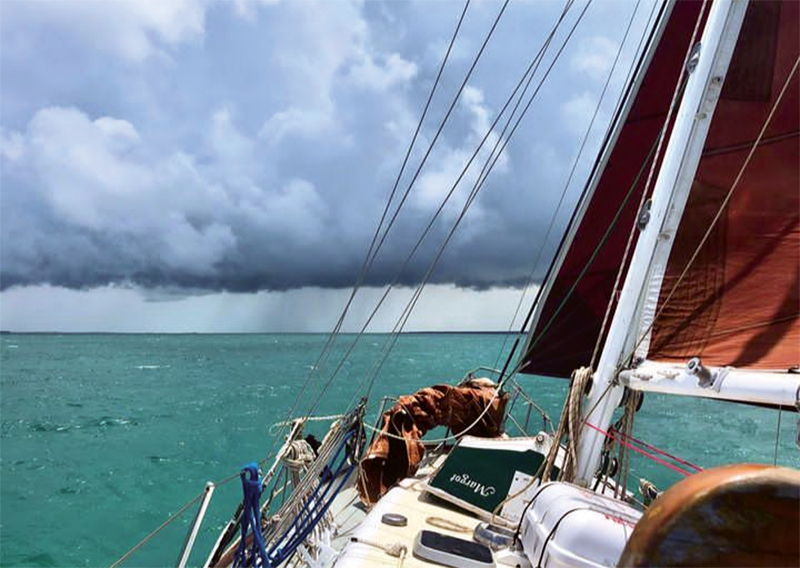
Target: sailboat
x,y
678,274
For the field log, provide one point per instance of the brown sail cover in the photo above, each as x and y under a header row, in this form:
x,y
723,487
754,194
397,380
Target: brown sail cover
x,y
739,303
565,341
389,460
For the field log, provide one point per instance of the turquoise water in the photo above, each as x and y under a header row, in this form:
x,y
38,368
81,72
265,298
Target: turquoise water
x,y
103,436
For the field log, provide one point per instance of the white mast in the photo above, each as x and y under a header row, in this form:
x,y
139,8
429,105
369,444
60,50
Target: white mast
x,y
669,199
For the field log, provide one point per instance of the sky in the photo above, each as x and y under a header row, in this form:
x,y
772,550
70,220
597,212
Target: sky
x,y
202,165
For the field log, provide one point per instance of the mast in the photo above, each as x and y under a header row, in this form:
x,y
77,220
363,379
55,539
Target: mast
x,y
670,193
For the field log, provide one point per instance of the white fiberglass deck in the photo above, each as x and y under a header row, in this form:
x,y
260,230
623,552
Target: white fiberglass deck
x,y
423,512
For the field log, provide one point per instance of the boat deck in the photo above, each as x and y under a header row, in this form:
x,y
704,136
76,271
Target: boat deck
x,y
363,537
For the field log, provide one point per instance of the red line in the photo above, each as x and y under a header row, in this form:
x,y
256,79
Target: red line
x,y
662,452
641,451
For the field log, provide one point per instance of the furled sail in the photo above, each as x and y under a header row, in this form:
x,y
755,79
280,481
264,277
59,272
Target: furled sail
x,y
739,302
569,314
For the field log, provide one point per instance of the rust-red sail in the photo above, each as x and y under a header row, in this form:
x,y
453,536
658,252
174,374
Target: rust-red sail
x,y
739,302
568,323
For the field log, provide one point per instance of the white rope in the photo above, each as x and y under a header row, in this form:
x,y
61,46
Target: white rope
x,y
304,420
447,524
395,549
569,424
299,456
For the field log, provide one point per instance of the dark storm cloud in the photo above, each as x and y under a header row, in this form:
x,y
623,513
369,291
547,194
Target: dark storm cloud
x,y
252,145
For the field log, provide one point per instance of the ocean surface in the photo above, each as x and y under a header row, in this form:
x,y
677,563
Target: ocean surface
x,y
104,436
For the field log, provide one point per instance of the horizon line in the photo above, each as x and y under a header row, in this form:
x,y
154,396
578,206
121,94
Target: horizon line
x,y
413,332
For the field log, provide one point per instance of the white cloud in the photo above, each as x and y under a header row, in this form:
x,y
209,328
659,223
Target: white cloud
x,y
195,250
293,211
261,154
131,29
234,152
247,8
84,166
326,52
578,111
11,145
440,173
96,175
295,122
391,71
595,56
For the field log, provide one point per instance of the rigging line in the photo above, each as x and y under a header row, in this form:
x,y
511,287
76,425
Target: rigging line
x,y
532,67
637,64
639,450
172,518
414,138
419,169
483,170
406,313
638,56
441,127
722,207
478,186
630,438
369,259
535,340
367,262
597,248
591,259
677,95
568,182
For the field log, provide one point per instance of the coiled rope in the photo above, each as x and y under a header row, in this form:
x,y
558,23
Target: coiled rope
x,y
569,425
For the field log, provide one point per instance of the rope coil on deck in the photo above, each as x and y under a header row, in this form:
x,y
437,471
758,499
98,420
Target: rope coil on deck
x,y
299,455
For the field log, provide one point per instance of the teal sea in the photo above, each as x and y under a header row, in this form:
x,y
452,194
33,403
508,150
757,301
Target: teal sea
x,y
104,436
